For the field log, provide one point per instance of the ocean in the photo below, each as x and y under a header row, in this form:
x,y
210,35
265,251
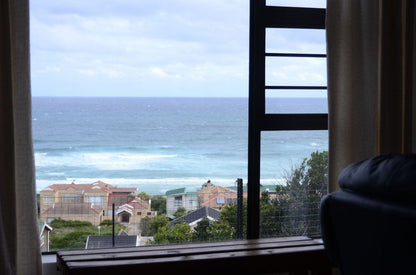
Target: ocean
x,y
158,144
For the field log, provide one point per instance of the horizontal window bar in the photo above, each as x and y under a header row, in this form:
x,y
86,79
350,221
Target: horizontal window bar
x,y
282,122
296,87
299,18
295,54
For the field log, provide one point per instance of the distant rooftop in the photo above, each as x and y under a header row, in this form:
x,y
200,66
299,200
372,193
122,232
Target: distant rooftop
x,y
91,187
106,241
179,191
197,215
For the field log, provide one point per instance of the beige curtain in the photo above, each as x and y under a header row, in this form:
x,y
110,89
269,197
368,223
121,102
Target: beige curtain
x,y
371,80
19,238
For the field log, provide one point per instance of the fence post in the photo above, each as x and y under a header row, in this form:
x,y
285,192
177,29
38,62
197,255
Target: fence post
x,y
239,232
113,227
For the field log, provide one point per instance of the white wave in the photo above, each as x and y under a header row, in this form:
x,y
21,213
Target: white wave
x,y
56,173
101,160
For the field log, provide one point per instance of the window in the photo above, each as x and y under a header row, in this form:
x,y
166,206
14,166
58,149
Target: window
x,y
71,198
163,143
264,18
48,200
178,201
96,200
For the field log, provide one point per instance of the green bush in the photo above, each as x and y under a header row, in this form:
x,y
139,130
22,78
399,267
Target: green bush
x,y
76,239
107,222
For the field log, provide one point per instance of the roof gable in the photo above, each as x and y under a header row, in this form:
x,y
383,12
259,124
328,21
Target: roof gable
x,y
197,215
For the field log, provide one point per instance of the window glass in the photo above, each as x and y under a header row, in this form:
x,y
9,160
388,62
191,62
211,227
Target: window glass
x,y
292,185
303,41
295,71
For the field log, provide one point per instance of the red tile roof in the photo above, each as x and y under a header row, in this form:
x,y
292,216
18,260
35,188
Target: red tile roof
x,y
138,203
72,209
92,187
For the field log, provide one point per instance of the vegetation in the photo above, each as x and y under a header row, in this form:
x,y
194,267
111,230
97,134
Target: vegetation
x,y
74,234
179,233
149,226
205,230
181,211
144,196
159,204
292,211
295,209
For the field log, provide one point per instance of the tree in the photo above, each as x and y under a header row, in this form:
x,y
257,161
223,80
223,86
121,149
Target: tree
x,y
144,196
305,186
220,231
179,233
159,204
201,230
149,226
181,211
229,215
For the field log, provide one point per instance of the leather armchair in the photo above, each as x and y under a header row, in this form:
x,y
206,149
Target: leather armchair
x,y
369,225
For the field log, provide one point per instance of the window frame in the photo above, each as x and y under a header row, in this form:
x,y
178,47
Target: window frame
x,y
262,17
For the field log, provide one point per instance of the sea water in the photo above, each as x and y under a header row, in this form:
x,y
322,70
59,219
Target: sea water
x,y
158,144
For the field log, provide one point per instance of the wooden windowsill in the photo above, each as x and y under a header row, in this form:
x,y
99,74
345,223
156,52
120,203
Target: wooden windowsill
x,y
292,254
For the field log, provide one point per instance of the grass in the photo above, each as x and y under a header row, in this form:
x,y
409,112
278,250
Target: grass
x,y
73,234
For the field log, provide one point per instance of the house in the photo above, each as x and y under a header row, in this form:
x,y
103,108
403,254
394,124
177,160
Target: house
x,y
106,241
215,196
134,211
180,197
80,211
195,216
87,202
44,230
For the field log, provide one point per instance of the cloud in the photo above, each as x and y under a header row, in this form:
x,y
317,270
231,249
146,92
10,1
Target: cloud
x,y
127,46
159,73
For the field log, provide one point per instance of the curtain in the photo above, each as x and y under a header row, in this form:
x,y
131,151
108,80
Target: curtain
x,y
371,80
19,238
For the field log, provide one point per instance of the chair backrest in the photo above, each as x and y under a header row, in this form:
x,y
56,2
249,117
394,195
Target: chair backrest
x,y
369,226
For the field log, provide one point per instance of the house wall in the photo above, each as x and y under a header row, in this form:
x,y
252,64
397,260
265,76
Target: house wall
x,y
136,218
170,203
189,202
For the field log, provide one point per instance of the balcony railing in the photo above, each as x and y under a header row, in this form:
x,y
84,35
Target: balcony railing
x,y
77,222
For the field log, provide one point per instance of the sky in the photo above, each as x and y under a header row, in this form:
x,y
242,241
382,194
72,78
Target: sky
x,y
162,48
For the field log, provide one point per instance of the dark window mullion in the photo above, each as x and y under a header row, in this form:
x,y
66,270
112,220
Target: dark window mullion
x,y
295,87
290,122
257,100
314,55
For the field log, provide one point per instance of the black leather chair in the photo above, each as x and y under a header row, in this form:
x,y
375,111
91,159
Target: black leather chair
x,y
369,226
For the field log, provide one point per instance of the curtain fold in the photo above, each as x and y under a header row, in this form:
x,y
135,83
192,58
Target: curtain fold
x,y
370,80
19,238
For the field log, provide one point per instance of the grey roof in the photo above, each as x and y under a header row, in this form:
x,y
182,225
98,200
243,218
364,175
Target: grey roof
x,y
106,241
197,215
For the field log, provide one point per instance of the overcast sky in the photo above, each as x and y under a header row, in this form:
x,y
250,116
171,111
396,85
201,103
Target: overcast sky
x,y
193,48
